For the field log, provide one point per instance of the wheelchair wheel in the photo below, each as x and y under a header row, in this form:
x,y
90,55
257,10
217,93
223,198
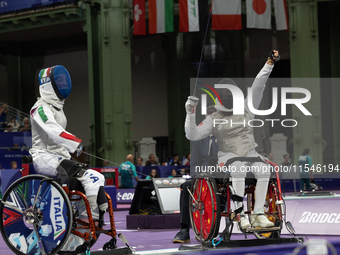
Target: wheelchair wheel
x,y
36,216
204,193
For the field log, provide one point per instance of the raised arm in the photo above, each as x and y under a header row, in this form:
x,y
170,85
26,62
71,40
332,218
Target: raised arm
x,y
259,83
192,131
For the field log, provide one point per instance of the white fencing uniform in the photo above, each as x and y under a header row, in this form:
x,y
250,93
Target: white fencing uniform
x,y
236,140
51,143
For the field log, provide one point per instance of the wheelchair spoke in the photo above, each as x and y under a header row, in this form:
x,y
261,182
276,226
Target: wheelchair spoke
x,y
192,196
19,193
40,244
36,197
12,207
200,189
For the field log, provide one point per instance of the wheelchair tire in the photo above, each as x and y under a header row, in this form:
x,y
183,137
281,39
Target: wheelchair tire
x,y
204,190
50,216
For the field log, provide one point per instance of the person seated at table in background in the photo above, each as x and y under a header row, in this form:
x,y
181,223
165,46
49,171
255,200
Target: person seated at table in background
x,y
173,173
152,161
153,174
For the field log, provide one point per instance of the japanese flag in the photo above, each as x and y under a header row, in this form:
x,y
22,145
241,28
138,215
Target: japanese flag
x,y
259,14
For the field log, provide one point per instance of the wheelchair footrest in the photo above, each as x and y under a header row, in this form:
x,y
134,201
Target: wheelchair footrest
x,y
117,251
250,230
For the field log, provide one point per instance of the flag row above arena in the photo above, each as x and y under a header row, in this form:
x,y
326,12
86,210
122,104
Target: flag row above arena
x,y
226,15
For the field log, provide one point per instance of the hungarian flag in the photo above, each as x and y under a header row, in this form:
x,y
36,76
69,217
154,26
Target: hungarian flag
x,y
161,17
188,16
259,14
281,14
226,15
139,17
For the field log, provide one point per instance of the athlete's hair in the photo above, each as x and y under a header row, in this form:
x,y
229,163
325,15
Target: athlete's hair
x,y
305,151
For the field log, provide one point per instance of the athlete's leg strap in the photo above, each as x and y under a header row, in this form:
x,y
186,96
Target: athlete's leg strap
x,y
73,168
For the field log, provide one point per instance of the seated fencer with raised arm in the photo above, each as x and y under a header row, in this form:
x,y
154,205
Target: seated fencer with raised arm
x,y
236,140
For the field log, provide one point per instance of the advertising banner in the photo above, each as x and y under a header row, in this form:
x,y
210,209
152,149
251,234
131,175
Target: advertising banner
x,y
125,196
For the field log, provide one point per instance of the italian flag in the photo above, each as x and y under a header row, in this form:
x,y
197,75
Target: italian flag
x,y
45,72
188,16
161,18
226,15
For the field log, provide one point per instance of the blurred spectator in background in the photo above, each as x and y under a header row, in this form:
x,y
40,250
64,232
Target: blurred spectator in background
x,y
14,165
9,129
127,171
27,125
139,166
3,113
1,168
15,147
153,174
286,167
271,156
139,162
305,163
186,161
286,162
175,160
152,161
173,173
14,124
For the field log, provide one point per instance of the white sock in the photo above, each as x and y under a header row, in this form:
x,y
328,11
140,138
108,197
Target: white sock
x,y
238,185
103,207
260,193
93,201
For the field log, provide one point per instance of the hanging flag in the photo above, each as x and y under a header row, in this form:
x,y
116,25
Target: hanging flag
x,y
259,14
139,17
226,15
281,14
188,16
161,17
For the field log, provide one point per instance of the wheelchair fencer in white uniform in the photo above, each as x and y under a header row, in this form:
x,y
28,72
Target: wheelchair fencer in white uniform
x,y
52,144
236,140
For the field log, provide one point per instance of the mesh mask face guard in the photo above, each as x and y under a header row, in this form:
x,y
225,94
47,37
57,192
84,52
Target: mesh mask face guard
x,y
59,78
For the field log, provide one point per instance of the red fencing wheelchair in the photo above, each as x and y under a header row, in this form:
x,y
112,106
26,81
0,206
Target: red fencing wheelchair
x,y
205,205
39,213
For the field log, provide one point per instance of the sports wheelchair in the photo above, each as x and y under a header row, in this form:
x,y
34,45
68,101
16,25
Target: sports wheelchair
x,y
40,213
206,194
